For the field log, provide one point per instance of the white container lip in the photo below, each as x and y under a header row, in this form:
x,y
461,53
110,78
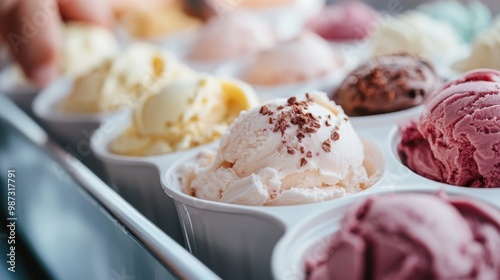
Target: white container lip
x,y
45,105
291,252
115,125
267,92
283,213
16,87
394,138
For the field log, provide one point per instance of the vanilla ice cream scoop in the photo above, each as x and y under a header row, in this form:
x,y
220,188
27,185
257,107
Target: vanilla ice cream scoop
x,y
85,46
414,33
281,153
184,114
124,80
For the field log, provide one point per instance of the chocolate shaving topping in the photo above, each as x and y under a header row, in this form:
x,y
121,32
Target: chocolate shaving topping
x,y
302,150
280,107
303,162
264,110
309,154
335,136
270,120
327,146
290,150
327,123
291,100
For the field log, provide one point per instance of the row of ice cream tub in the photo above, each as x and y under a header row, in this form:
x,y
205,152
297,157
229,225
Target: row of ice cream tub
x,y
278,153
244,45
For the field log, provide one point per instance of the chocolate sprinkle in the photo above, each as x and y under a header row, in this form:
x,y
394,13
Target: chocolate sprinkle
x,y
335,136
291,100
303,162
270,120
309,154
290,150
327,123
327,146
264,110
302,150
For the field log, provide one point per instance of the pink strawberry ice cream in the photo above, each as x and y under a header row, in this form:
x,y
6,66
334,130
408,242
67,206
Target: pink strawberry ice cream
x,y
351,20
413,236
457,138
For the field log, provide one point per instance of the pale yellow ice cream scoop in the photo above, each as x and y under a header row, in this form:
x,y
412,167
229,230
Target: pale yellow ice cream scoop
x,y
120,82
184,114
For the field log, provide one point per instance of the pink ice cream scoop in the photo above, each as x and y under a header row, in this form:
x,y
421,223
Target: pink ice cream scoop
x,y
413,236
457,138
346,21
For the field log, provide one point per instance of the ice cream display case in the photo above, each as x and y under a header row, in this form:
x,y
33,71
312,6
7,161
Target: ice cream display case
x,y
360,142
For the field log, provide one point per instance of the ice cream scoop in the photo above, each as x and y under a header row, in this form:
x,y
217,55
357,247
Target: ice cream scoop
x,y
122,81
457,138
414,33
351,20
413,236
282,153
386,84
84,47
232,35
484,53
468,18
158,21
303,58
184,114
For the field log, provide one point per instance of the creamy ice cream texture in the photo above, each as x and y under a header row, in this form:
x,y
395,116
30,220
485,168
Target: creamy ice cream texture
x,y
281,153
232,35
158,21
484,52
386,84
184,114
350,20
303,58
414,33
85,46
122,81
457,138
414,236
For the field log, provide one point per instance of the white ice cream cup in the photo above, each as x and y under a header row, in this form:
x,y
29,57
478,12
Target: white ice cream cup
x,y
269,92
309,239
18,89
137,179
234,240
73,130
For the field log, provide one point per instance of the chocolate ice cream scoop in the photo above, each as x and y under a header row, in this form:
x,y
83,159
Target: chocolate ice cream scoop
x,y
386,84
